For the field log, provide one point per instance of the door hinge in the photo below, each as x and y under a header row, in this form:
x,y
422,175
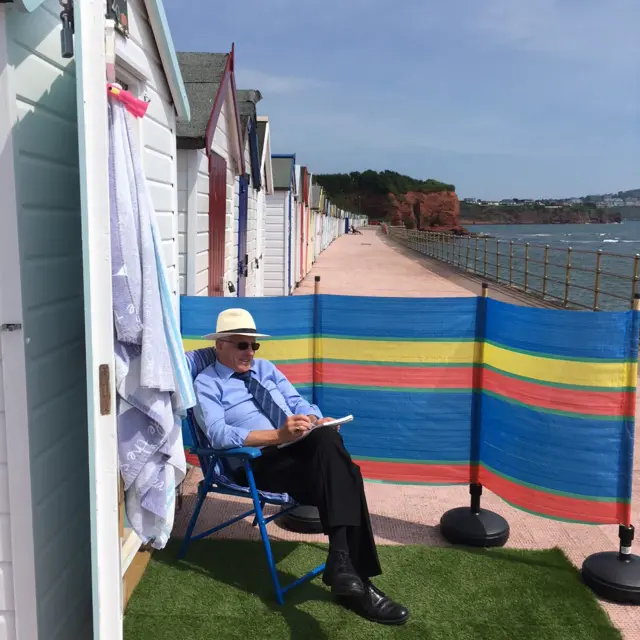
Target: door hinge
x,y
104,383
11,326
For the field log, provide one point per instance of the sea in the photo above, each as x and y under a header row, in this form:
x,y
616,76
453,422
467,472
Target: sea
x,y
618,244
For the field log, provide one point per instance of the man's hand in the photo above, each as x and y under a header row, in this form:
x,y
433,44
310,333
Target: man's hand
x,y
319,423
293,428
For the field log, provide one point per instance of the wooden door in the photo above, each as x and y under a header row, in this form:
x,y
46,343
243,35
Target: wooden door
x,y
93,142
217,222
243,257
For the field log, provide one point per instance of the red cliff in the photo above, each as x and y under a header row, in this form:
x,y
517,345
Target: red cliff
x,y
439,211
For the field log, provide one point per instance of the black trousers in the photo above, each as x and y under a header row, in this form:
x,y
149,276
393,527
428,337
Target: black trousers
x,y
318,471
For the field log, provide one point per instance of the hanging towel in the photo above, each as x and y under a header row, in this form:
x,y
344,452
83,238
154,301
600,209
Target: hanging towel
x,y
153,383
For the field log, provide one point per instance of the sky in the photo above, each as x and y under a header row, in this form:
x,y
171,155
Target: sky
x,y
503,98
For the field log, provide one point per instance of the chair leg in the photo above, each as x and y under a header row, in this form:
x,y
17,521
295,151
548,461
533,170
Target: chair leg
x,y
255,520
257,503
202,494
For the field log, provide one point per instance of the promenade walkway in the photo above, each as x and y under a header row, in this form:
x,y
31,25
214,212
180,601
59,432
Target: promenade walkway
x,y
369,264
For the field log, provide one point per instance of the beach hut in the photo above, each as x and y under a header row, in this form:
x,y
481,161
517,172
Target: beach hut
x,y
63,549
316,193
211,160
303,203
279,248
266,172
311,224
248,187
296,229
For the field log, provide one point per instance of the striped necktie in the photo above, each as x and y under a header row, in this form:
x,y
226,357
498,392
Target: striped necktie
x,y
263,399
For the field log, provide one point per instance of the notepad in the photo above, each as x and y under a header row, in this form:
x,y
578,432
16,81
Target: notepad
x,y
333,423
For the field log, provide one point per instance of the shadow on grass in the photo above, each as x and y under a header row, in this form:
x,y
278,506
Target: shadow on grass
x,y
551,560
243,565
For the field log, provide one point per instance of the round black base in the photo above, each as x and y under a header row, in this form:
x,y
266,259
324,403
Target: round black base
x,y
303,519
482,529
611,578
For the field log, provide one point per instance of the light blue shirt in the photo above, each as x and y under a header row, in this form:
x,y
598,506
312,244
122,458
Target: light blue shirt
x,y
227,411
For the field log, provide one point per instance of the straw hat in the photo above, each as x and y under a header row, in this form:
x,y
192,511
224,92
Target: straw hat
x,y
235,322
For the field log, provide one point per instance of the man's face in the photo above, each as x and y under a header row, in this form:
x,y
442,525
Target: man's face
x,y
231,355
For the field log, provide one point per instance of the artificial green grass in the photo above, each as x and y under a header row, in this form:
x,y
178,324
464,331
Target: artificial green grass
x,y
222,590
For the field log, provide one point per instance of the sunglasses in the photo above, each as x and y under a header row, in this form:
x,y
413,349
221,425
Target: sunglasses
x,y
243,346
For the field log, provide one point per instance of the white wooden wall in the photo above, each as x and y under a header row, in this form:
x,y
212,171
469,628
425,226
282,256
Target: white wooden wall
x,y
222,144
183,200
43,96
252,227
201,166
193,207
138,55
41,93
260,231
275,249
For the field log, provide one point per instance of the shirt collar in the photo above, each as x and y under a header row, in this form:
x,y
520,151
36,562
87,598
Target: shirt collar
x,y
225,372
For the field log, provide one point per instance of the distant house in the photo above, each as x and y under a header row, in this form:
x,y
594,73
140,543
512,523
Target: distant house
x,y
280,247
211,158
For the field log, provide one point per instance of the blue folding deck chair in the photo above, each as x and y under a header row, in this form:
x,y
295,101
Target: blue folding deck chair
x,y
212,462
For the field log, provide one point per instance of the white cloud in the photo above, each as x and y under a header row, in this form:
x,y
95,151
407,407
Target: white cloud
x,y
587,30
272,85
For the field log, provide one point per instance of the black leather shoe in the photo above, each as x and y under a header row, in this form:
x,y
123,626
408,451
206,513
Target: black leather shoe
x,y
340,575
377,607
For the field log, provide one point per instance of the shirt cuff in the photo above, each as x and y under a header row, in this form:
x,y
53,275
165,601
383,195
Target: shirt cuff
x,y
315,411
240,435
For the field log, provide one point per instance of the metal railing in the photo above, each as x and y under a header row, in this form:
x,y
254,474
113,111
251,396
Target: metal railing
x,y
567,277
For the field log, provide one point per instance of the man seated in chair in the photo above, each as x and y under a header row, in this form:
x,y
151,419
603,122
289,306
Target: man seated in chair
x,y
247,402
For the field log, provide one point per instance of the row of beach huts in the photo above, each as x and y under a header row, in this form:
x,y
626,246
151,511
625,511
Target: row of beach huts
x,y
252,222
236,218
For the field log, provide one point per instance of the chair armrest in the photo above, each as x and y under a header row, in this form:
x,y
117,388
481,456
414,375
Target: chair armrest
x,y
244,453
239,452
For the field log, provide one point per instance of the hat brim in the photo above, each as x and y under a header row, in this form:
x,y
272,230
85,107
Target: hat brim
x,y
227,334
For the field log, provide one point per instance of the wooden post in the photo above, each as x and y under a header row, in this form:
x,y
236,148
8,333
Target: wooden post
x,y
544,277
466,261
484,272
636,275
567,281
510,262
596,287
